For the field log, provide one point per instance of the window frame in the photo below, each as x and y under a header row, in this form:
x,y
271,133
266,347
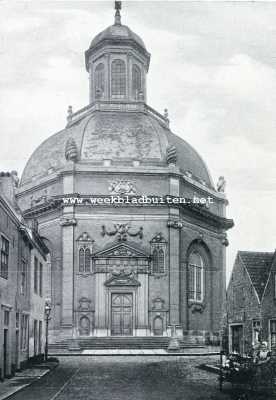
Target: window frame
x,y
36,274
136,73
118,79
40,283
99,78
23,277
158,268
193,270
272,321
4,257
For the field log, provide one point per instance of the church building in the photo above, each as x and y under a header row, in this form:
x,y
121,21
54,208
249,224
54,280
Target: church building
x,y
122,265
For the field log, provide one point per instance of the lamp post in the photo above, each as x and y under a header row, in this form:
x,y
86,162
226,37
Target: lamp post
x,y
47,312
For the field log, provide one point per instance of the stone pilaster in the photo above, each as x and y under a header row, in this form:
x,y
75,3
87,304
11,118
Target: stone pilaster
x,y
174,226
68,223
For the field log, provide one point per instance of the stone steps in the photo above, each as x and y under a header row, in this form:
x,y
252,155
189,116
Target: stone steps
x,y
98,343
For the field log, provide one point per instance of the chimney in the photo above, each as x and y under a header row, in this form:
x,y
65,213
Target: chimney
x,y
8,183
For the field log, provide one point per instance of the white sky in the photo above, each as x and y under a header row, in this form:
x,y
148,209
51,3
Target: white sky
x,y
213,66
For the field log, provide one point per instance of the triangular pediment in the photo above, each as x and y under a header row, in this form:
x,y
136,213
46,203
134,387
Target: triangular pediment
x,y
122,279
121,250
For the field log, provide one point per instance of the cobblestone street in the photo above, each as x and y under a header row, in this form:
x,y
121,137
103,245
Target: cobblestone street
x,y
127,378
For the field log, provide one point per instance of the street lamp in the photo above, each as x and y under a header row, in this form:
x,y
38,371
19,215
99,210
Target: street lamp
x,y
47,312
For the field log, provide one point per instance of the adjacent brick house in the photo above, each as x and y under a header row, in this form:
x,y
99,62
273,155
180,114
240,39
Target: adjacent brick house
x,y
21,338
251,301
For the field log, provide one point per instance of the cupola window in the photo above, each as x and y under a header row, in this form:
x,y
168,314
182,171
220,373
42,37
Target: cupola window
x,y
118,79
136,81
99,80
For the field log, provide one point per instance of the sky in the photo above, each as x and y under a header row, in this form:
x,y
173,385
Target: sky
x,y
213,65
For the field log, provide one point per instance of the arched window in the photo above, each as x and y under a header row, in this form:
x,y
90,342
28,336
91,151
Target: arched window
x,y
155,261
81,260
99,80
87,260
118,79
136,81
158,261
196,270
161,261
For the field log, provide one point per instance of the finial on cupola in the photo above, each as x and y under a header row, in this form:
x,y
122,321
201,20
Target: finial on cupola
x,y
118,7
166,116
69,113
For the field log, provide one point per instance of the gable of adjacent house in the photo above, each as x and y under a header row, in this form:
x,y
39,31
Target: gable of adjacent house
x,y
241,294
258,266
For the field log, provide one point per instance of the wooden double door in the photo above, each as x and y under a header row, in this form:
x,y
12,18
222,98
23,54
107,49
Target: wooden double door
x,y
122,314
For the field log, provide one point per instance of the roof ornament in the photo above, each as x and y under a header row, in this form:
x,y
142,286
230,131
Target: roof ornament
x,y
71,150
171,155
69,113
118,7
221,184
166,116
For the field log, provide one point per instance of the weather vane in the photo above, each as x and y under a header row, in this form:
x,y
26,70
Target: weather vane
x,y
118,7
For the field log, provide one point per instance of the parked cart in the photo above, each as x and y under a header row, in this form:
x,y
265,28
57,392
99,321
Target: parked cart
x,y
249,376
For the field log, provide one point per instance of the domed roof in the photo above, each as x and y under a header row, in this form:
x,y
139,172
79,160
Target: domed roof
x,y
117,32
119,136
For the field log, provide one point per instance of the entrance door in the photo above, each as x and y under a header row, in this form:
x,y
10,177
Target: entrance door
x,y
121,314
237,337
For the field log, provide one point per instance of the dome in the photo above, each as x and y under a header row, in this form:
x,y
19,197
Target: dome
x,y
118,136
117,32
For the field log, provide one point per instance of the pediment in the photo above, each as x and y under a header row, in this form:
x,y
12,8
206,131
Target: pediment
x,y
121,250
122,279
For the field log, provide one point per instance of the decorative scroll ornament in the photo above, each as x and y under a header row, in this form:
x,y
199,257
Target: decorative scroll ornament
x,y
122,187
158,238
71,150
84,304
122,231
158,303
68,221
171,155
122,278
225,242
84,237
36,201
174,223
221,184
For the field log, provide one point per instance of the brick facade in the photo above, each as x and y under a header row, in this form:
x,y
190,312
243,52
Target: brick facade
x,y
251,300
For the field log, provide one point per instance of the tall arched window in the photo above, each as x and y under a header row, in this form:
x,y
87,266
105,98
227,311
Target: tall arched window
x,y
81,260
136,81
118,79
155,261
158,261
87,260
196,271
99,80
161,261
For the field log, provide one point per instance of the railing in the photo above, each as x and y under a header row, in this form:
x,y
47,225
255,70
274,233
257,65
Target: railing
x,y
118,107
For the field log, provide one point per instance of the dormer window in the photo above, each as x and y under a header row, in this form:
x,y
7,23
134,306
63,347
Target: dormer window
x,y
136,81
99,80
118,79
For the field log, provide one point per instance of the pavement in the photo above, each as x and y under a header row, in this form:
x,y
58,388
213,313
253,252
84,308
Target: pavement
x,y
24,378
127,378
